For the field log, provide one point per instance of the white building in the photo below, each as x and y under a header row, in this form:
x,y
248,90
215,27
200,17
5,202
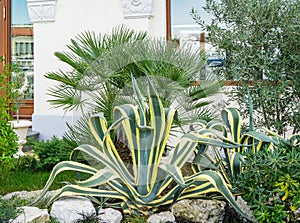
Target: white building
x,y
57,21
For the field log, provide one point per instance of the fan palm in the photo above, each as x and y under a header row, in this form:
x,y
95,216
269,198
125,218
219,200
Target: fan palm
x,y
102,67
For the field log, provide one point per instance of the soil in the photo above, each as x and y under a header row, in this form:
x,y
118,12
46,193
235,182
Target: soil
x,y
123,152
231,216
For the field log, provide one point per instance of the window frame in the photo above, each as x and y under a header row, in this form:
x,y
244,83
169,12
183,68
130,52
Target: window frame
x,y
168,19
5,32
27,109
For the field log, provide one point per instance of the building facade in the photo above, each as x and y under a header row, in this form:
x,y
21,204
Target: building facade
x,y
22,47
56,22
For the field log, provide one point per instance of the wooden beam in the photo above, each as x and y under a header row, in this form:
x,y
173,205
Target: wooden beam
x,y
168,19
5,27
5,31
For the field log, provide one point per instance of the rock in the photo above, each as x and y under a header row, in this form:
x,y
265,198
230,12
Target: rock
x,y
109,215
243,205
206,211
70,209
32,215
162,217
28,195
297,215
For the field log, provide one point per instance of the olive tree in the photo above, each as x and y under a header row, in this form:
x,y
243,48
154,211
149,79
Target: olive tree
x,y
259,40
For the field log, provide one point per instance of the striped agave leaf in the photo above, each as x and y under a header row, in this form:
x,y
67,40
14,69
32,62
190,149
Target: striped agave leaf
x,y
145,185
294,139
228,160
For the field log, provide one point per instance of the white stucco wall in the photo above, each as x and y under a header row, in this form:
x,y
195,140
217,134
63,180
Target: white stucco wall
x,y
71,18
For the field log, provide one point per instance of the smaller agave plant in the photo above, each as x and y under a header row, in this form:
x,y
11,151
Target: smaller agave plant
x,y
228,161
149,182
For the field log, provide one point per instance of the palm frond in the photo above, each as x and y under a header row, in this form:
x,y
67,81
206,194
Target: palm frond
x,y
105,100
66,97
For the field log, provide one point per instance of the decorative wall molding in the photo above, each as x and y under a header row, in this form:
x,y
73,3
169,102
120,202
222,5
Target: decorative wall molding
x,y
137,8
41,10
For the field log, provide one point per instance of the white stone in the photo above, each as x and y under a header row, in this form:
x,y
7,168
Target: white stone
x,y
28,195
162,217
32,215
110,215
70,209
202,211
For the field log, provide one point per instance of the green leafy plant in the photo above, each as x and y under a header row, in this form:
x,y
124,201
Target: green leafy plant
x,y
228,161
8,139
273,194
88,218
49,152
260,43
20,89
270,182
142,186
9,209
24,163
134,219
101,69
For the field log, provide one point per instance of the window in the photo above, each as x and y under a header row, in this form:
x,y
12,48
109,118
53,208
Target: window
x,y
22,37
180,23
22,50
184,30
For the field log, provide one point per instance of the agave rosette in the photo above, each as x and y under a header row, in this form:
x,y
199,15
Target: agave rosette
x,y
146,184
228,160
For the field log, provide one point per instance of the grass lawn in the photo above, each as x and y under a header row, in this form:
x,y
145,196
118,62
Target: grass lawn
x,y
18,180
29,180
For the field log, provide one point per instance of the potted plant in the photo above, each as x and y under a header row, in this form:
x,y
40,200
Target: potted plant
x,y
19,92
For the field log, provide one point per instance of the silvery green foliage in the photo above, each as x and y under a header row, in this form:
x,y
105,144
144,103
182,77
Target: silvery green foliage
x,y
260,41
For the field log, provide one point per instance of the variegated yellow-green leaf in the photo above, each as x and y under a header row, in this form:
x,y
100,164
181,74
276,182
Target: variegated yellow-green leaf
x,y
146,183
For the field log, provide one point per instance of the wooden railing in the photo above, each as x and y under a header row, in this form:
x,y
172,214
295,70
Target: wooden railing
x,y
26,110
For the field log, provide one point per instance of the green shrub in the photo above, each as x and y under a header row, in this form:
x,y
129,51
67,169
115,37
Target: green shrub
x,y
260,40
50,152
9,209
270,184
24,163
8,139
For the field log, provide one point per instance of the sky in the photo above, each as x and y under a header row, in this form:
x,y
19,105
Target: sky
x,y
180,11
19,12
182,21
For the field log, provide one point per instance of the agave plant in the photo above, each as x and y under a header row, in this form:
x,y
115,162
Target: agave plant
x,y
102,65
147,183
228,161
